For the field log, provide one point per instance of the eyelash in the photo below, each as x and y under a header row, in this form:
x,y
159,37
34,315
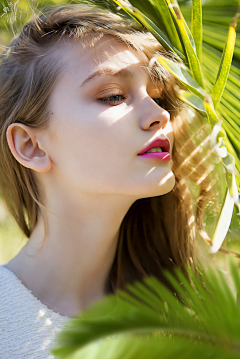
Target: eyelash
x,y
108,101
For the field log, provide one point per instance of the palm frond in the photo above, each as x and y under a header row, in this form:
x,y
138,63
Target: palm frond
x,y
197,27
200,318
152,348
188,42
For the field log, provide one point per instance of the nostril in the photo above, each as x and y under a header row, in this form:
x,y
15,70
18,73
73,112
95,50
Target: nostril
x,y
155,122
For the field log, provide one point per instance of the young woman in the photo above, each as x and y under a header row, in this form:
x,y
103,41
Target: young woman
x,y
80,105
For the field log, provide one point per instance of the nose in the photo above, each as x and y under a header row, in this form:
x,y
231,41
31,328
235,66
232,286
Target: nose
x,y
152,115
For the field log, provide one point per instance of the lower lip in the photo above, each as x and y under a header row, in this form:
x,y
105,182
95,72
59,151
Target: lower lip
x,y
162,156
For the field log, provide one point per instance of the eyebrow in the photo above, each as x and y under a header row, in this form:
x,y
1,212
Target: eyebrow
x,y
109,71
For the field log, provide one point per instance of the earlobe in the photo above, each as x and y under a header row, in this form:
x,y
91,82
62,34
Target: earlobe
x,y
25,147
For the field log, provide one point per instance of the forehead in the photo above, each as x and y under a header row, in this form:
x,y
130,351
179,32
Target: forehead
x,y
107,52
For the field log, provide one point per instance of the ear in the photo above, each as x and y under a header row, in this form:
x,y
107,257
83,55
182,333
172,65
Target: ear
x,y
26,148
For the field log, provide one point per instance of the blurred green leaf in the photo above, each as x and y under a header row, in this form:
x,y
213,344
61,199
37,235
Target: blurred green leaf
x,y
225,64
199,318
223,223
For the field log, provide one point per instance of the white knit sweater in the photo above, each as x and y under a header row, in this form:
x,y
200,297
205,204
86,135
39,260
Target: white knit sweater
x,y
27,327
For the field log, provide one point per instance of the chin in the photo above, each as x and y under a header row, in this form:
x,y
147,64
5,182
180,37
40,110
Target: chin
x,y
164,186
168,183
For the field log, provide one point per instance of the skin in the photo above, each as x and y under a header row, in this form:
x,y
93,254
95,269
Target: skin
x,y
88,170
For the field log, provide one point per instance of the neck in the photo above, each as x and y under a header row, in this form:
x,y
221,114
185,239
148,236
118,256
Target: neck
x,y
71,269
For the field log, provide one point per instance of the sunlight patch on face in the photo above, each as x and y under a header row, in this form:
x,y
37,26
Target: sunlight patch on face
x,y
120,58
150,171
115,114
165,179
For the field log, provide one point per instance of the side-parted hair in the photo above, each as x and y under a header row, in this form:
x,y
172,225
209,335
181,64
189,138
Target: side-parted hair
x,y
157,233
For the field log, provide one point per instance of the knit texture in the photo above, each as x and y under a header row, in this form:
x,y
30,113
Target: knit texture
x,y
27,327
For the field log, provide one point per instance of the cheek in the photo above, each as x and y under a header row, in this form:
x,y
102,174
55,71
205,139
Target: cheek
x,y
171,139
84,148
168,131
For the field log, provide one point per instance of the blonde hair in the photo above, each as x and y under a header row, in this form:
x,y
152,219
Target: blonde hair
x,y
156,233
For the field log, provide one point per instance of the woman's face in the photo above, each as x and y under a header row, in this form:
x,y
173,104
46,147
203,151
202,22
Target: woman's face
x,y
105,110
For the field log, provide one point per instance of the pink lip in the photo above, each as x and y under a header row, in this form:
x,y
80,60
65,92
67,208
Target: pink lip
x,y
163,143
163,156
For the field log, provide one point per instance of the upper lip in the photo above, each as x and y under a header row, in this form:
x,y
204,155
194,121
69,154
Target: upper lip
x,y
163,143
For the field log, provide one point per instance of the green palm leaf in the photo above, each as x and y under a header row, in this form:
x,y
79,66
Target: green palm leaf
x,y
183,76
192,100
217,15
197,27
161,8
202,319
140,348
225,64
188,42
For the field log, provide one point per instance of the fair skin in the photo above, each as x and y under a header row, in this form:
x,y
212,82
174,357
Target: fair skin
x,y
86,162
